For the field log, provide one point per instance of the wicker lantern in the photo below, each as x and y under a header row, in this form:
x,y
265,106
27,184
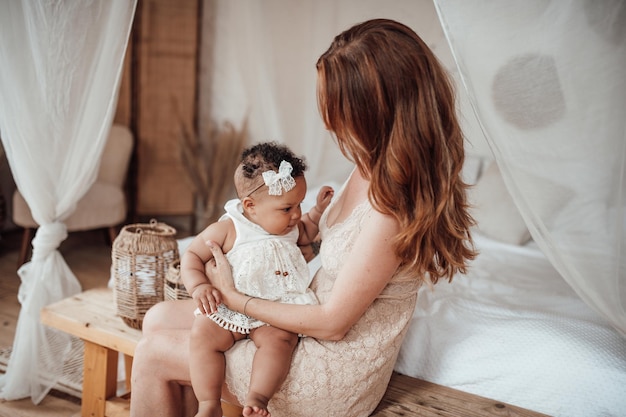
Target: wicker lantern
x,y
174,288
141,256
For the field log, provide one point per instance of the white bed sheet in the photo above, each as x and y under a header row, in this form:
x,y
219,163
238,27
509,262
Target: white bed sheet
x,y
513,330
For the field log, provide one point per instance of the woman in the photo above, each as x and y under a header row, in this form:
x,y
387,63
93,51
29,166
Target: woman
x,y
400,219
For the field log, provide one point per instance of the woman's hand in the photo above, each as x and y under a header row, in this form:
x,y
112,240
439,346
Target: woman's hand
x,y
218,270
207,298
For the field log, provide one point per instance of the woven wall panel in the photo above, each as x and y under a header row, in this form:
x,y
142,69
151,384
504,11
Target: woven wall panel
x,y
166,54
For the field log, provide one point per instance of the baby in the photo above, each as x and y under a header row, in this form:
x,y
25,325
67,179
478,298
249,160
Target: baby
x,y
262,234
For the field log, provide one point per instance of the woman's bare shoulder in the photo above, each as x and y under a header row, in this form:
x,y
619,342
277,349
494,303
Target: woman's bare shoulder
x,y
381,223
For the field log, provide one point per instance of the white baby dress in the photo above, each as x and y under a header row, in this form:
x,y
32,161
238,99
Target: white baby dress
x,y
264,266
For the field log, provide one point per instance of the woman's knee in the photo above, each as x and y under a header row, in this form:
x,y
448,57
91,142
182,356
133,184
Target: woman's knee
x,y
168,315
154,318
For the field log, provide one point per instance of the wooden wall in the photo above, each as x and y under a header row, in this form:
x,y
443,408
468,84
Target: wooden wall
x,y
158,92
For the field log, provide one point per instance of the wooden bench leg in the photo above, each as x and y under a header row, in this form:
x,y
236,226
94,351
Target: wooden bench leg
x,y
99,379
128,367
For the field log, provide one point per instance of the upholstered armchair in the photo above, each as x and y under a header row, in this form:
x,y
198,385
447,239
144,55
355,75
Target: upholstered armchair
x,y
104,206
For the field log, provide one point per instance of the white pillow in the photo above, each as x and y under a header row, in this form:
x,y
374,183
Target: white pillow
x,y
472,165
495,212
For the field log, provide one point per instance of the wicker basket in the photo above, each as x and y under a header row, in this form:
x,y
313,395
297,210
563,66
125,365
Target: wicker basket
x,y
141,256
174,288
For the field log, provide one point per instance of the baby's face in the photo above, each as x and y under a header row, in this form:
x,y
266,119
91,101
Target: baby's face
x,y
278,214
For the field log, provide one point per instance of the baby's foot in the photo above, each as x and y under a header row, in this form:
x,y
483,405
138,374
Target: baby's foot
x,y
254,411
256,406
209,408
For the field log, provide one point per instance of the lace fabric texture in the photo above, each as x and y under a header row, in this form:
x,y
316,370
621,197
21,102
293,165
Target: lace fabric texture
x,y
264,266
344,378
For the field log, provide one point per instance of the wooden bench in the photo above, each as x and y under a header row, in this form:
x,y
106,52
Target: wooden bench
x,y
91,317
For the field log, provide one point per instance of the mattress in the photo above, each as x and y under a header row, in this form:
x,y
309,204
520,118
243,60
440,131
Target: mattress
x,y
513,330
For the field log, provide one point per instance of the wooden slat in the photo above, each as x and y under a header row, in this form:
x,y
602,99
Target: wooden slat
x,y
408,396
88,316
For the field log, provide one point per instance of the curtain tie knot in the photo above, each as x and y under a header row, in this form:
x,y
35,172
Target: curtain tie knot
x,y
47,239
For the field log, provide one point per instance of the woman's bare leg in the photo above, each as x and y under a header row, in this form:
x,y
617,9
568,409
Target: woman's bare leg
x,y
270,367
161,361
160,372
208,343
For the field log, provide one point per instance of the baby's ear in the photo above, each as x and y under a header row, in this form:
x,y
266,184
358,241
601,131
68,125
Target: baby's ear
x,y
247,203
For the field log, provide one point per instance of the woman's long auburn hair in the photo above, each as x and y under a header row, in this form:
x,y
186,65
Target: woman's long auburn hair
x,y
391,106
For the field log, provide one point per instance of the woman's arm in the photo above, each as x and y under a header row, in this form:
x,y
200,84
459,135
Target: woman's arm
x,y
359,282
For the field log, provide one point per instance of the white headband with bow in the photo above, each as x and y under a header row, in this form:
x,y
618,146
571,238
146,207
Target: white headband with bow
x,y
281,180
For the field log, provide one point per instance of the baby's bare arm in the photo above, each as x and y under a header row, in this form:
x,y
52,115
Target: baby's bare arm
x,y
309,223
192,265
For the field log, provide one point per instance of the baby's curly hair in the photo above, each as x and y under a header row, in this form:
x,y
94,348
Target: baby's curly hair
x,y
262,157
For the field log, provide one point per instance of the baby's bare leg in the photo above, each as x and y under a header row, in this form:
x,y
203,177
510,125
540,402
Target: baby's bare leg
x,y
269,368
207,345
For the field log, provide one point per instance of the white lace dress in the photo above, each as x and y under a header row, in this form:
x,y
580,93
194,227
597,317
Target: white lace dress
x,y
345,378
264,266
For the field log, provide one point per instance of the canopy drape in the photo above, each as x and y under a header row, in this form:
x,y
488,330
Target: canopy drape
x,y
545,78
548,85
262,56
61,68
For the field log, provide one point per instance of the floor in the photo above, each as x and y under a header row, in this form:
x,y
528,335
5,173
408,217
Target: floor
x,y
89,257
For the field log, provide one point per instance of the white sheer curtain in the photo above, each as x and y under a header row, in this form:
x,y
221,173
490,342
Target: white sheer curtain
x,y
545,77
547,81
61,67
262,66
